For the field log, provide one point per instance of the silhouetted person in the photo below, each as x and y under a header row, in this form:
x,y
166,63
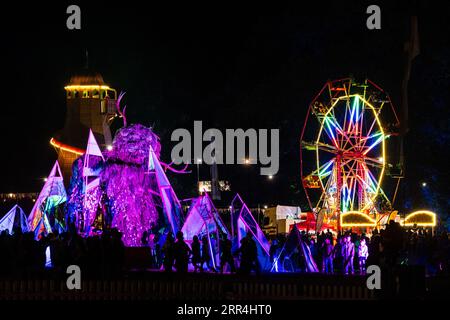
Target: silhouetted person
x,y
349,255
363,253
168,252
327,256
152,247
158,254
273,249
226,256
329,235
313,249
374,249
249,255
206,256
196,253
392,242
181,253
339,255
213,244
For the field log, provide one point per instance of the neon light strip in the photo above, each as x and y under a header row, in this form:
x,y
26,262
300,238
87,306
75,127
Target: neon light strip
x,y
351,225
360,146
352,174
65,147
345,193
362,117
371,178
350,192
87,87
325,167
373,145
419,224
351,116
371,136
345,115
325,174
366,184
374,183
339,129
375,120
331,132
352,203
357,116
370,223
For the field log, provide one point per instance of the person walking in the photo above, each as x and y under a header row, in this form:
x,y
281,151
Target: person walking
x,y
363,253
196,253
349,255
226,256
249,255
327,257
206,257
168,252
181,252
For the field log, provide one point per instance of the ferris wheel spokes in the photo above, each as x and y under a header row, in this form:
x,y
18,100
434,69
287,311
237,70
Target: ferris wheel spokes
x,y
349,145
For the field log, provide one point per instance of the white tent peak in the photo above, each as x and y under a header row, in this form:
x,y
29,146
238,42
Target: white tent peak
x,y
92,147
8,221
92,150
56,172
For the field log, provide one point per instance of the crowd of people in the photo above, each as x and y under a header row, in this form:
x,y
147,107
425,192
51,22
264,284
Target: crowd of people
x,y
22,255
203,254
350,253
344,253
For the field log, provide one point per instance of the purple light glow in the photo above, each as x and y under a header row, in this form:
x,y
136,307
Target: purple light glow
x,y
125,184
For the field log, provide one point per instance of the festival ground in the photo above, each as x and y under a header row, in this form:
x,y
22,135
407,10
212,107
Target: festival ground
x,y
407,284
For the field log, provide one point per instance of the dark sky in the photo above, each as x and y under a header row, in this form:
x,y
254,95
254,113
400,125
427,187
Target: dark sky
x,y
231,66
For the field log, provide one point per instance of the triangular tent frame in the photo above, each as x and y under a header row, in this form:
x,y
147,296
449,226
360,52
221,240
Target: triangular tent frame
x,y
203,219
294,241
9,220
91,183
54,186
242,221
170,203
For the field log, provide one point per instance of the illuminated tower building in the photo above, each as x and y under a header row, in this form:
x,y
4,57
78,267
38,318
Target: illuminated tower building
x,y
91,104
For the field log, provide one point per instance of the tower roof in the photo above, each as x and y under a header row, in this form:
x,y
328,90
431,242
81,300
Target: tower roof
x,y
87,78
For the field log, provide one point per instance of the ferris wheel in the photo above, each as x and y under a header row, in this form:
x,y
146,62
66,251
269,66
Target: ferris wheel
x,y
344,144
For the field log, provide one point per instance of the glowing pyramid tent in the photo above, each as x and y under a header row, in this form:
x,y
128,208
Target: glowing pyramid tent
x,y
170,203
14,220
47,212
203,220
91,184
242,222
295,255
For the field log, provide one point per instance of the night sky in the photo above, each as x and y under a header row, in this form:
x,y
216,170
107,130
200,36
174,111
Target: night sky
x,y
230,66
